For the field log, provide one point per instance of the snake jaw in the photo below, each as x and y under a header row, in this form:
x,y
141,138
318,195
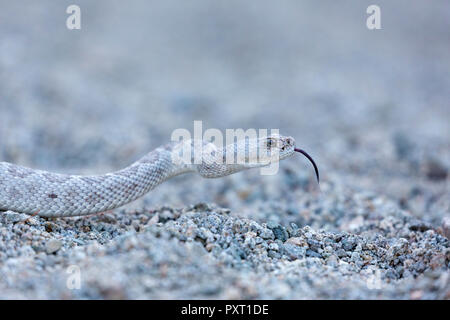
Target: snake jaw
x,y
310,159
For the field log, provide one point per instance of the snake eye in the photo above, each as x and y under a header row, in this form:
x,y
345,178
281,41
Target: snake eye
x,y
270,142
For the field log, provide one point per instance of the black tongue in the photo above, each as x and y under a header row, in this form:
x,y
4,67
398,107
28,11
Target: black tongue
x,y
312,161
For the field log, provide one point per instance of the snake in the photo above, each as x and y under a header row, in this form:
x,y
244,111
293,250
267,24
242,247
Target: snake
x,y
48,194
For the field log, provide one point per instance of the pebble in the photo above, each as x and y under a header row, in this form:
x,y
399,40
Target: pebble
x,y
435,170
278,231
53,246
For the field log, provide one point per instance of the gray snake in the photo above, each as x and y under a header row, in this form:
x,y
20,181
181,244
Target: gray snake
x,y
48,194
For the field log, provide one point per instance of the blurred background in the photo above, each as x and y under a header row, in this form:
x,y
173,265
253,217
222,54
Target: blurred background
x,y
370,106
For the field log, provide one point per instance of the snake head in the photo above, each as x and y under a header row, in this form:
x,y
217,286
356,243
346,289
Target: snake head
x,y
246,154
278,146
285,147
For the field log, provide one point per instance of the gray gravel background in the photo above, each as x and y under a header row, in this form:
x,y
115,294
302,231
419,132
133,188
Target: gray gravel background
x,y
372,107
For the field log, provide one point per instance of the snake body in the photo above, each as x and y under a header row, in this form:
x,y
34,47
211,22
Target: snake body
x,y
50,194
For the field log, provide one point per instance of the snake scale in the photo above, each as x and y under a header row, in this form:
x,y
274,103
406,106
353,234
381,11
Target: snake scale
x,y
48,194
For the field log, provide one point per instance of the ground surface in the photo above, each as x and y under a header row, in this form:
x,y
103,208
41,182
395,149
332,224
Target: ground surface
x,y
372,107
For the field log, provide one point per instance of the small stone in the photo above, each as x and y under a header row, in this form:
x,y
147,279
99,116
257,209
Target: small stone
x,y
355,257
416,294
278,231
391,274
153,220
266,234
50,226
292,230
274,254
79,242
356,223
298,241
53,246
136,225
341,253
202,207
273,246
435,170
446,226
166,215
12,217
311,253
108,218
418,225
332,261
293,251
348,244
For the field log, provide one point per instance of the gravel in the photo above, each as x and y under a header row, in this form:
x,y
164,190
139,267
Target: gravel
x,y
204,251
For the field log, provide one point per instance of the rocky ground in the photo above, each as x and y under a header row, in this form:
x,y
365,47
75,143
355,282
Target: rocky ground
x,y
205,252
371,107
